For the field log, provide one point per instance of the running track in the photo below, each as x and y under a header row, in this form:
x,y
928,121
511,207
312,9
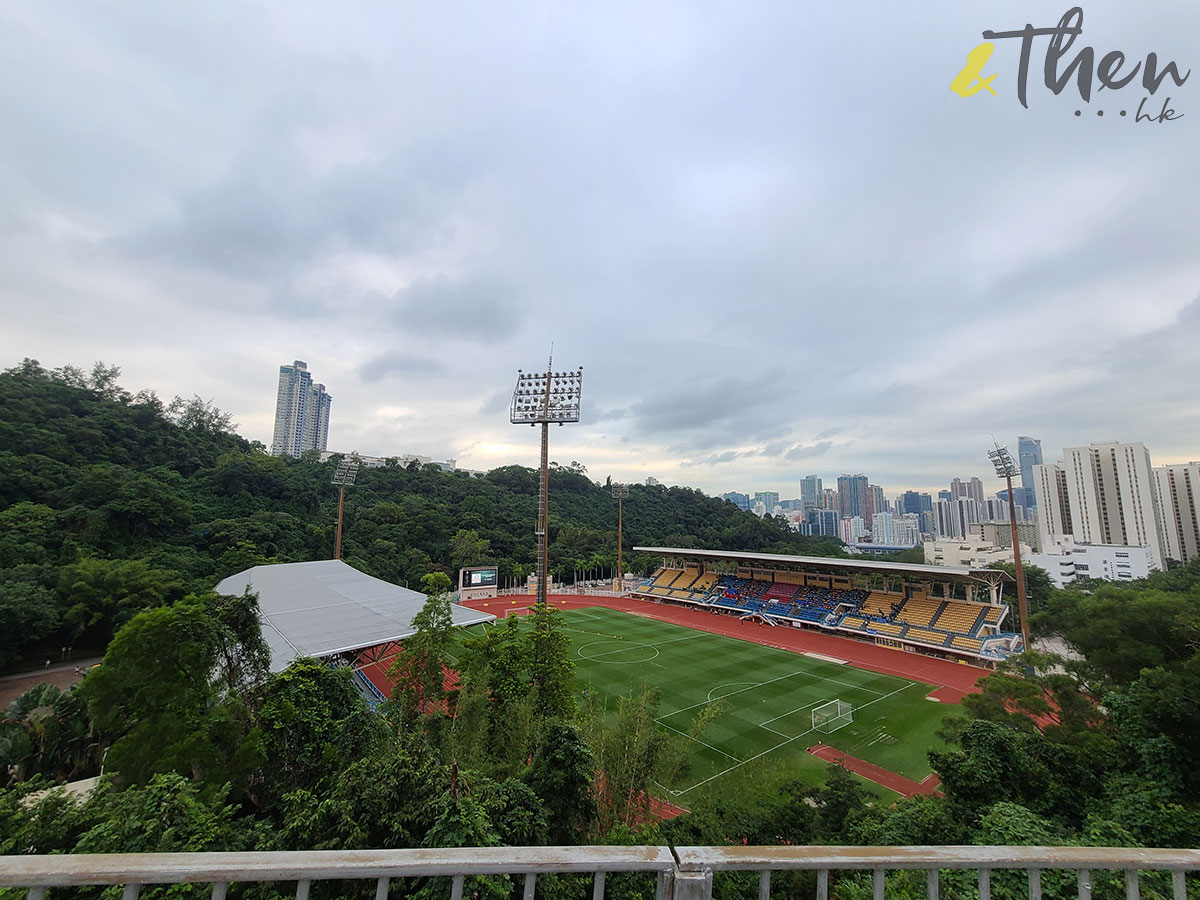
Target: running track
x,y
877,774
953,680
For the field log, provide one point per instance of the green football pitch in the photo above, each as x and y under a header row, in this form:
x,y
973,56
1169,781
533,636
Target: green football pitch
x,y
766,698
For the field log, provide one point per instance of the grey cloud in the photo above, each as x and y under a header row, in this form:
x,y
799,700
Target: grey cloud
x,y
708,406
734,278
496,403
608,415
471,309
713,459
810,451
400,363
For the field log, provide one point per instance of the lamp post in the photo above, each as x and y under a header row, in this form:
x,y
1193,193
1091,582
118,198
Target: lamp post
x,y
1006,469
540,399
620,491
343,475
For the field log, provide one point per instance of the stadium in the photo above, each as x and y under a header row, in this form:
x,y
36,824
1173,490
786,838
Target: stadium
x,y
793,661
891,604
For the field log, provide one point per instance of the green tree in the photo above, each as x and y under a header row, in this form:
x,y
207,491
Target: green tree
x,y
551,670
169,694
435,583
46,731
313,723
420,669
561,775
100,595
467,549
28,610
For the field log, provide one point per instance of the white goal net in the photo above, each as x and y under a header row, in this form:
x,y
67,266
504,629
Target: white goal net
x,y
831,716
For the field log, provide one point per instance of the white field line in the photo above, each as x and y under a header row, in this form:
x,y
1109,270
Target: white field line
x,y
783,743
786,714
632,645
579,614
698,741
856,687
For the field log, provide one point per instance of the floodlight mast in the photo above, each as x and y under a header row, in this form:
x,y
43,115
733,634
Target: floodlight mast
x,y
1006,469
343,475
539,400
620,491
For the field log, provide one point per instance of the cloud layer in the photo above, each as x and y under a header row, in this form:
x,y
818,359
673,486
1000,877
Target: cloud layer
x,y
775,240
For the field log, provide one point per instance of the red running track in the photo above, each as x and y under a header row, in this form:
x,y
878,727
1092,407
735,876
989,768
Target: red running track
x,y
878,774
954,680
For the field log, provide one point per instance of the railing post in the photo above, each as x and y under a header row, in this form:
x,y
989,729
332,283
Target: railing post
x,y
219,890
530,884
131,892
456,887
1133,890
381,888
764,885
931,884
1179,882
985,884
1085,884
598,887
1035,884
878,878
691,885
822,884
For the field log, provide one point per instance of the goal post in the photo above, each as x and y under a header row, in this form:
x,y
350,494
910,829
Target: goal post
x,y
829,717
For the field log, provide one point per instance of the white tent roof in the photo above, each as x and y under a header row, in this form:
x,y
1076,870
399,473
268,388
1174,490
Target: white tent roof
x,y
327,607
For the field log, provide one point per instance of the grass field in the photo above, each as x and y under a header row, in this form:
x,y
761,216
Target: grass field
x,y
766,696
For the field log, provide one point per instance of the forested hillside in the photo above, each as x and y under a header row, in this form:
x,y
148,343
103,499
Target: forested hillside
x,y
112,502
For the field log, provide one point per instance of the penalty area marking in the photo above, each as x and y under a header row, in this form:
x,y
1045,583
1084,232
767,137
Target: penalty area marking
x,y
783,743
711,698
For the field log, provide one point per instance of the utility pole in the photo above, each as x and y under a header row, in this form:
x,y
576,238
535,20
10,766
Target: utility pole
x,y
620,491
347,468
540,399
1006,469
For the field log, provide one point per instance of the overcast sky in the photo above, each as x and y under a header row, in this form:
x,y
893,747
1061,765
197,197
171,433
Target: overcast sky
x,y
774,238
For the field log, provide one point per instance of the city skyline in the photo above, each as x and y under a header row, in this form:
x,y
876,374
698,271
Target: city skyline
x,y
768,262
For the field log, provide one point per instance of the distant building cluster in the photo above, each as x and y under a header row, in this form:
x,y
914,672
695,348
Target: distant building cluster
x,y
1110,494
301,412
403,460
1102,512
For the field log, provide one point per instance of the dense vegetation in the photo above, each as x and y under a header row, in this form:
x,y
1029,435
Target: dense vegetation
x,y
118,514
111,503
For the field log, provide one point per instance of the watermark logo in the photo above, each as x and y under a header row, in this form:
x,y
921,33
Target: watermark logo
x,y
1111,72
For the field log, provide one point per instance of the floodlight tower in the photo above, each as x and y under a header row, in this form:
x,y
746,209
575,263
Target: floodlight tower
x,y
620,492
1006,469
347,468
540,399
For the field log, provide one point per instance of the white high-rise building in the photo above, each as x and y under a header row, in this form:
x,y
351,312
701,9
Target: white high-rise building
x,y
301,412
945,520
1179,501
1053,505
852,529
1101,494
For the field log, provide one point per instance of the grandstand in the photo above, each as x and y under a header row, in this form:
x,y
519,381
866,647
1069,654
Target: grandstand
x,y
893,604
329,610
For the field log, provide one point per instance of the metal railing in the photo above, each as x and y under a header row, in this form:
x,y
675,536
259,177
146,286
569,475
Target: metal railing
x,y
682,873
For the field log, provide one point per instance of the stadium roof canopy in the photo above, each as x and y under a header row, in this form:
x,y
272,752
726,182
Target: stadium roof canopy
x,y
846,566
327,607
